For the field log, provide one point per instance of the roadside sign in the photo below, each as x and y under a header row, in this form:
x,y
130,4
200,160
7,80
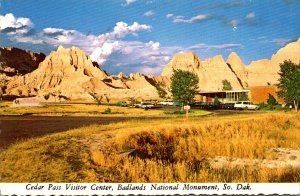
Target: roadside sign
x,y
187,107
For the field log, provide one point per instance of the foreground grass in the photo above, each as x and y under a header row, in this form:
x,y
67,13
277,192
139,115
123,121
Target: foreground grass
x,y
173,150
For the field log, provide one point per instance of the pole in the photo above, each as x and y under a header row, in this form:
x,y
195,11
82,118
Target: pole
x,y
187,113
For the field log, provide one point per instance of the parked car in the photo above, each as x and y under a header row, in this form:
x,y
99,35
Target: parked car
x,y
166,103
227,106
245,105
146,105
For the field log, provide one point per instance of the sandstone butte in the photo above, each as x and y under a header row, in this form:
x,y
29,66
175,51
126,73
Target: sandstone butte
x,y
69,74
212,71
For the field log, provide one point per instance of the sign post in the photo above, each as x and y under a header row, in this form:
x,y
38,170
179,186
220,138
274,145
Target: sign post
x,y
187,108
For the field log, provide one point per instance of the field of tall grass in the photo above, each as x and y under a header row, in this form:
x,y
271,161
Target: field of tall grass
x,y
171,150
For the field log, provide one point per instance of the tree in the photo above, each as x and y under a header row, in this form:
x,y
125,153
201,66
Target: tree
x,y
161,92
289,82
244,97
97,99
271,100
216,99
107,99
184,86
226,85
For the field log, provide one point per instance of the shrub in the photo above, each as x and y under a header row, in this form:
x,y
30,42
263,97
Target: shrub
x,y
107,111
271,100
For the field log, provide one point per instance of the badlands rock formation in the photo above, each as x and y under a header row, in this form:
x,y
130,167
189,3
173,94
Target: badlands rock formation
x,y
212,71
14,61
265,72
70,74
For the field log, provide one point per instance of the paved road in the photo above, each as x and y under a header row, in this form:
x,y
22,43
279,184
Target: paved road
x,y
15,128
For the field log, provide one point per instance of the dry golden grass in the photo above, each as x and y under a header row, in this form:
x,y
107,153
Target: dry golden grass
x,y
83,109
172,150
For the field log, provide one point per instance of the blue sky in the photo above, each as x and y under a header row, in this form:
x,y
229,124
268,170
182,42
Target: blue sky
x,y
143,35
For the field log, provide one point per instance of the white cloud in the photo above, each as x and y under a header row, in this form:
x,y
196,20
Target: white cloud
x,y
101,54
214,47
153,45
150,70
169,15
127,2
11,25
234,22
100,47
149,13
151,56
281,41
194,19
121,30
250,15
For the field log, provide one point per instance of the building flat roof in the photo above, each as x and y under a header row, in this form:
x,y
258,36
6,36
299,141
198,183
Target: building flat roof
x,y
231,91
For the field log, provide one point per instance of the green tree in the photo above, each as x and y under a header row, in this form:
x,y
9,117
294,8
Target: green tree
x,y
271,100
289,82
244,97
226,85
161,92
184,86
216,100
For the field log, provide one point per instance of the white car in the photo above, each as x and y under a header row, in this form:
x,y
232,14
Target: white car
x,y
245,105
146,105
166,103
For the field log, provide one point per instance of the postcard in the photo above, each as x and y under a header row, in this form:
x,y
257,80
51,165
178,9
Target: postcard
x,y
149,97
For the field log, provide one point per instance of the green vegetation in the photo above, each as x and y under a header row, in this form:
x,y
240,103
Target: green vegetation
x,y
173,150
289,82
191,113
271,100
107,111
226,85
97,98
216,100
161,92
184,86
244,97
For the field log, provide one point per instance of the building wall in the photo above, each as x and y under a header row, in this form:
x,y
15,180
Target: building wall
x,y
260,94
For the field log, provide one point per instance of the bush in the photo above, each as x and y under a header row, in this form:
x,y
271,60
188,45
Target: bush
x,y
121,104
107,111
271,100
179,112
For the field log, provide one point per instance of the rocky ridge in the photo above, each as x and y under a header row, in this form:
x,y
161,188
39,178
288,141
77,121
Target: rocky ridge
x,y
70,74
212,71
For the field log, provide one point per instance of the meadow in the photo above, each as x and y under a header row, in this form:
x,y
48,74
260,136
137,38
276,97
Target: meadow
x,y
166,150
